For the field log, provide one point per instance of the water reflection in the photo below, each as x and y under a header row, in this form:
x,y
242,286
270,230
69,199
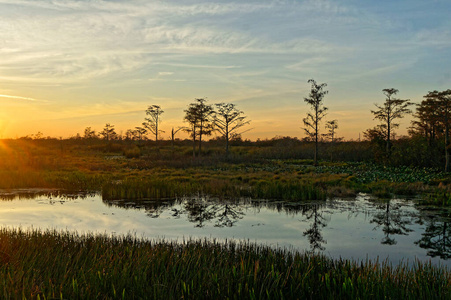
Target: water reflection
x,y
200,211
351,228
436,237
314,215
393,220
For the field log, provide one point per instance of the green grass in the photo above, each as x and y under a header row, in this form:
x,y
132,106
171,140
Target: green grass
x,y
159,188
368,172
55,265
118,172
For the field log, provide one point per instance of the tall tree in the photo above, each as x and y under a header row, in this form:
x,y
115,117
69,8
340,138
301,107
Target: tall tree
x,y
140,132
331,127
199,117
108,132
192,120
443,115
153,121
313,119
89,133
129,134
427,120
227,119
387,113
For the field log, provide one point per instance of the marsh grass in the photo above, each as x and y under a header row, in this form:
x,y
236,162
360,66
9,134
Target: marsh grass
x,y
62,265
439,196
127,170
222,188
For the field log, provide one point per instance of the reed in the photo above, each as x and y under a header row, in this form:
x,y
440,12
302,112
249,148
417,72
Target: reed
x,y
159,188
63,265
159,172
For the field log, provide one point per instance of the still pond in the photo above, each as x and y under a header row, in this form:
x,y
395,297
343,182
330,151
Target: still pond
x,y
360,228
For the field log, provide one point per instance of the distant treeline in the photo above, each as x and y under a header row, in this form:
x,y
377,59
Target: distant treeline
x,y
415,150
428,143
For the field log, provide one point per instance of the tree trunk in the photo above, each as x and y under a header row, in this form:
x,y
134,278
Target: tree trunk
x,y
194,141
388,146
315,159
315,155
200,138
447,144
227,140
172,140
447,148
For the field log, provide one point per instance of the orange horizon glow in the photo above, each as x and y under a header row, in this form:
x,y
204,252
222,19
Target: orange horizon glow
x,y
68,65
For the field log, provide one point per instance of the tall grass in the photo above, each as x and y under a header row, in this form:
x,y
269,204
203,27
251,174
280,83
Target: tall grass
x,y
54,265
159,188
265,169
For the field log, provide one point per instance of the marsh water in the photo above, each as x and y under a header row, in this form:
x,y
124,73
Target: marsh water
x,y
360,228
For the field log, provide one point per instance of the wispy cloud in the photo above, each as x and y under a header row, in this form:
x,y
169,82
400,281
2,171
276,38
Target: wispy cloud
x,y
84,40
199,66
20,98
435,38
80,53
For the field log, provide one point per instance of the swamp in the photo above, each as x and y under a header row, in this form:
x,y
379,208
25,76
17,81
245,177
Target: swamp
x,y
225,149
84,219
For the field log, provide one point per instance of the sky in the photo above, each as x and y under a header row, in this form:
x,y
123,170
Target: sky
x,y
66,65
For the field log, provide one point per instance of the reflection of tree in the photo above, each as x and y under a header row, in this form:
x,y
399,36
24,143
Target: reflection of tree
x,y
290,208
197,210
200,211
392,221
436,239
155,209
229,216
314,235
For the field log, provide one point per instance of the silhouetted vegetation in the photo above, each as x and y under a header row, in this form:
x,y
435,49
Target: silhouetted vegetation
x,y
432,123
312,121
199,117
392,109
152,123
227,120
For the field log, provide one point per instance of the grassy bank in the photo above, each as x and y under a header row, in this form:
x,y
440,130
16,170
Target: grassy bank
x,y
160,172
50,265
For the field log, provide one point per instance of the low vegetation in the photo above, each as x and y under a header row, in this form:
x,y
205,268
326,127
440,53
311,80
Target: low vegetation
x,y
55,265
60,265
249,171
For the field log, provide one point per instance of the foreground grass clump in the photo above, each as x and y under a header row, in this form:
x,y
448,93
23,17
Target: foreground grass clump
x,y
37,265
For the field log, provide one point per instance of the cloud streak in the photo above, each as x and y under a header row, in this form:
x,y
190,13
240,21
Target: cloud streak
x,y
97,54
84,40
20,98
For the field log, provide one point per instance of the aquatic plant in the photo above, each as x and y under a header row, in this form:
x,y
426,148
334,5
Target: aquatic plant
x,y
62,265
365,173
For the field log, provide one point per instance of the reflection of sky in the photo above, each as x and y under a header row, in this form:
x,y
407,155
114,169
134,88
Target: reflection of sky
x,y
349,232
